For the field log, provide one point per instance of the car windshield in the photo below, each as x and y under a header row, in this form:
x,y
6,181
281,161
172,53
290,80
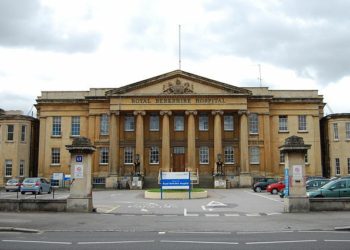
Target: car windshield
x,y
32,180
12,181
329,184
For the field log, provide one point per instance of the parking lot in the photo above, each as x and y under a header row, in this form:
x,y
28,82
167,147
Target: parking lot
x,y
225,202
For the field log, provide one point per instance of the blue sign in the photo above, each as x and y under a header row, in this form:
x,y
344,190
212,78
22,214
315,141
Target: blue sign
x,y
179,183
286,182
79,158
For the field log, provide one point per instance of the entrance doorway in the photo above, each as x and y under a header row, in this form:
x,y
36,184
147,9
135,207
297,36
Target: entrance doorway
x,y
179,159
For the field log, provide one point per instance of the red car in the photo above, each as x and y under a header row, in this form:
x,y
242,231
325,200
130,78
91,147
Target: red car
x,y
274,188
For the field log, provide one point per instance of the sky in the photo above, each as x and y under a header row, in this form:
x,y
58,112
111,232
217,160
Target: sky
x,y
76,45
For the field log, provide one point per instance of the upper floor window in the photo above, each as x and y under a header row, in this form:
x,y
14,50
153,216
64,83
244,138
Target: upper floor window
x,y
10,132
203,155
254,155
282,158
23,133
129,123
283,123
337,166
8,168
228,123
179,123
203,123
154,155
154,123
335,131
253,123
347,130
56,126
55,156
229,156
21,168
302,123
104,124
104,155
128,155
75,126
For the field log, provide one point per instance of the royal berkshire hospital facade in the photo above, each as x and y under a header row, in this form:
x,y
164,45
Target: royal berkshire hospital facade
x,y
179,121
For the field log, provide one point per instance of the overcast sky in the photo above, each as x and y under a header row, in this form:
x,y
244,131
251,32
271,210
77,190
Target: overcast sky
x,y
82,44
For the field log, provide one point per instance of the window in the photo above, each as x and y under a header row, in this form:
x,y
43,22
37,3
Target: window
x,y
99,181
203,123
306,158
104,124
154,123
55,156
104,155
203,155
229,156
10,132
154,155
56,126
179,150
8,168
335,131
347,128
21,168
253,123
254,155
228,123
348,165
337,166
179,123
302,123
129,123
75,126
282,158
128,155
23,133
283,123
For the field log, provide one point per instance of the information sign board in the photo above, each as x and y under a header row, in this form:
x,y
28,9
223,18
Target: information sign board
x,y
78,171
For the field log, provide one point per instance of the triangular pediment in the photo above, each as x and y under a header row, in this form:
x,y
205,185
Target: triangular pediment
x,y
178,82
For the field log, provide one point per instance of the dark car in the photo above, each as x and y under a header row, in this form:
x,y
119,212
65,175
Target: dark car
x,y
315,183
262,184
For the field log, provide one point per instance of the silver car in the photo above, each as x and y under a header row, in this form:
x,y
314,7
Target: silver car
x,y
13,185
36,185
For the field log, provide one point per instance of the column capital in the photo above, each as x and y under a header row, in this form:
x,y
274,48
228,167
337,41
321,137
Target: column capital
x,y
113,112
165,112
243,112
139,112
217,112
191,112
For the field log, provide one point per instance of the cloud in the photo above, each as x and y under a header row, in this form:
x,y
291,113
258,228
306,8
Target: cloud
x,y
28,24
15,101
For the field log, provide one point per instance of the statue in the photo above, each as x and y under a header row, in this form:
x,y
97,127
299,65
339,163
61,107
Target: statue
x,y
137,170
219,166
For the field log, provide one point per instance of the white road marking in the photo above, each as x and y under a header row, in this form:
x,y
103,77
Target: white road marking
x,y
337,240
189,232
203,207
215,204
279,242
268,232
114,242
212,215
252,215
110,210
186,214
263,196
161,232
273,213
39,242
170,215
231,215
199,242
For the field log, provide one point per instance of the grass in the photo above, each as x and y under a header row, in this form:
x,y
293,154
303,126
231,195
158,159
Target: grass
x,y
157,190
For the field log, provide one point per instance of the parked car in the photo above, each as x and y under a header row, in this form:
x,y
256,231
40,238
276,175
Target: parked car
x,y
274,188
262,185
36,185
13,185
315,183
336,188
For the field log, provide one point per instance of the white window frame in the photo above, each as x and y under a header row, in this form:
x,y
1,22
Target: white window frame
x,y
282,158
203,122
75,126
129,123
302,123
347,130
154,155
335,132
154,123
337,166
104,155
229,155
55,156
10,133
283,123
253,123
23,133
21,171
128,155
8,168
229,123
179,123
204,155
56,126
254,155
104,124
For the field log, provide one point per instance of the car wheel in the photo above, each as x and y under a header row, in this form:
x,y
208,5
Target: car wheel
x,y
49,192
274,191
258,189
23,192
34,192
40,191
7,190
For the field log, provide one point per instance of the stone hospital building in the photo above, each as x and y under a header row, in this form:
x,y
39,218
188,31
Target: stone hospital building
x,y
179,121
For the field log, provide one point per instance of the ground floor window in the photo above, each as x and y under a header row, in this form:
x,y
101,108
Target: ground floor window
x,y
21,168
128,155
8,168
254,155
55,155
154,155
179,150
282,158
337,166
104,154
203,155
229,156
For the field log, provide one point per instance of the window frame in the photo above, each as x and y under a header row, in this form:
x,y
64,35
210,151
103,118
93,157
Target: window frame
x,y
10,134
229,123
337,166
154,155
204,155
130,157
282,123
104,124
129,123
229,153
154,123
177,119
104,155
8,168
253,119
335,132
254,155
55,156
23,133
21,171
203,122
347,130
75,126
302,123
56,126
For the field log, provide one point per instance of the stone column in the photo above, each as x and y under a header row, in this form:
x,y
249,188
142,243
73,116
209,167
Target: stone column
x,y
140,138
112,180
165,140
191,140
267,146
80,197
217,135
295,191
43,162
245,177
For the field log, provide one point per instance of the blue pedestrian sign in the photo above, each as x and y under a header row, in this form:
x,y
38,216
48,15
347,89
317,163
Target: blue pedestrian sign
x,y
79,158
